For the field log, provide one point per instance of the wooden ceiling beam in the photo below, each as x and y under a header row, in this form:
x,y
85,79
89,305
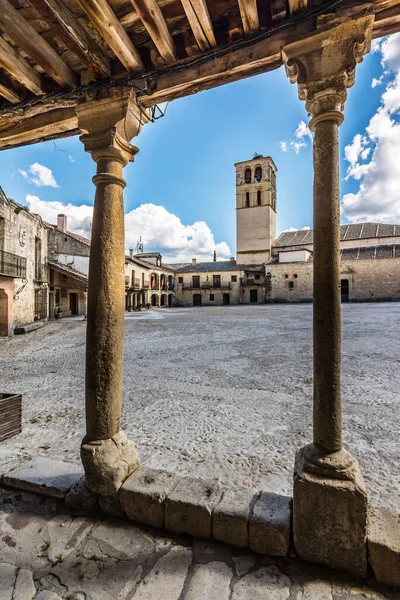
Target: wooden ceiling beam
x,y
153,19
200,22
27,38
297,6
249,15
18,68
8,92
57,16
111,30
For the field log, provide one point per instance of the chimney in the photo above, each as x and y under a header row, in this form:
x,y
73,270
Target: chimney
x,y
131,252
62,223
233,260
194,261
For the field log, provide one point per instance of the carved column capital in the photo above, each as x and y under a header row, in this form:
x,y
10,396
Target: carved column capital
x,y
325,66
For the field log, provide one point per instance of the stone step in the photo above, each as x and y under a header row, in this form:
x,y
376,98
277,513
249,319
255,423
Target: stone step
x,y
28,327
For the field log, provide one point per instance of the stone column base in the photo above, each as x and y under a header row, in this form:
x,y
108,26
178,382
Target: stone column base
x,y
108,463
330,514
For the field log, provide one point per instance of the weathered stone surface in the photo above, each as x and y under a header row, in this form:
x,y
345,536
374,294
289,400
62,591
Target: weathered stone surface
x,y
269,528
108,463
45,595
384,545
143,495
110,505
44,476
24,586
166,579
316,590
7,579
232,514
210,581
117,540
267,582
243,564
330,518
80,497
189,506
63,533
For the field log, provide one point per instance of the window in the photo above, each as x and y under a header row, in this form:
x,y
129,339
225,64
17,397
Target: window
x,y
295,276
211,297
257,175
196,281
258,197
247,176
247,199
217,281
180,279
291,285
234,278
257,276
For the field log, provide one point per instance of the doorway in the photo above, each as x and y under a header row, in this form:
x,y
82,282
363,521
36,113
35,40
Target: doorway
x,y
170,300
225,299
74,303
196,299
344,289
3,314
253,295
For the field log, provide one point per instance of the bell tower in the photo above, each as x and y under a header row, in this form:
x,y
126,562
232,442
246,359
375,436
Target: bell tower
x,y
255,209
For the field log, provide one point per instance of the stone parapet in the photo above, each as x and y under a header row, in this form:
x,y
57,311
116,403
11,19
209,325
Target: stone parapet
x,y
242,517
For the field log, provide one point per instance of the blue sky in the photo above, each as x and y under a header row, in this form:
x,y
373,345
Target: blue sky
x,y
186,158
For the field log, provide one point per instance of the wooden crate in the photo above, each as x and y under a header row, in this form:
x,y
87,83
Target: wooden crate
x,y
10,415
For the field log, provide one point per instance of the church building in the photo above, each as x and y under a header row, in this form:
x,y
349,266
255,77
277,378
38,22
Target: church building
x,y
279,269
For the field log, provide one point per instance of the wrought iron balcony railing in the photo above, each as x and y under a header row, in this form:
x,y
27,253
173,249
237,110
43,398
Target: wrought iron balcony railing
x,y
206,286
12,265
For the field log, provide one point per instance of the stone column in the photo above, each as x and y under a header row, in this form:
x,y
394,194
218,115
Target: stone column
x,y
329,495
110,123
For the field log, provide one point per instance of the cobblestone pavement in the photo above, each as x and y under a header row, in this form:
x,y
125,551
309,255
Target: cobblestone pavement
x,y
47,553
222,393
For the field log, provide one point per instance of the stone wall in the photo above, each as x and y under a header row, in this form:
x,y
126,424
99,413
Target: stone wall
x,y
63,243
21,232
369,280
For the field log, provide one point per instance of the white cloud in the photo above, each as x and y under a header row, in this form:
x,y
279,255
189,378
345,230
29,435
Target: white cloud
x,y
71,159
293,229
160,230
378,195
302,134
39,175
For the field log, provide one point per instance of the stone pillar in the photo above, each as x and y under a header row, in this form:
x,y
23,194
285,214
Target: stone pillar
x,y
329,495
110,123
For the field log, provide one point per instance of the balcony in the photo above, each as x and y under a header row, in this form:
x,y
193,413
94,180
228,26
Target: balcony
x,y
252,282
145,285
12,265
127,280
206,286
136,284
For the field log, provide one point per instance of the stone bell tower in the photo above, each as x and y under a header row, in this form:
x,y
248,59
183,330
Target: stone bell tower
x,y
255,209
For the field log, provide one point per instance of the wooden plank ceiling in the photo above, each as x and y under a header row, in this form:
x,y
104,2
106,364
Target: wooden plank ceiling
x,y
51,47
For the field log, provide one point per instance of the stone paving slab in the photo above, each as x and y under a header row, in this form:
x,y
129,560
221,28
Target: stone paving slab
x,y
97,558
44,476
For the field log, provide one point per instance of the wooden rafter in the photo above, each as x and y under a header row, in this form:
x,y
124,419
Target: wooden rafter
x,y
153,20
200,22
27,38
249,16
111,30
8,92
74,35
296,6
17,67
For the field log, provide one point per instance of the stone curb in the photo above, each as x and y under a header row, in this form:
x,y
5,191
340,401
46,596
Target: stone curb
x,y
241,517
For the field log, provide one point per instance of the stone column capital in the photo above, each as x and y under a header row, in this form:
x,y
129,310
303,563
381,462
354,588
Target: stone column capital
x,y
324,66
110,122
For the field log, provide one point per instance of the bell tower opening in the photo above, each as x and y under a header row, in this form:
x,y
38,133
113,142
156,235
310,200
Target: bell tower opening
x,y
255,209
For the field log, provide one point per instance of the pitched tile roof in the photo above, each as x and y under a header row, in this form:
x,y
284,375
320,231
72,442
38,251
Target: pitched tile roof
x,y
220,265
356,231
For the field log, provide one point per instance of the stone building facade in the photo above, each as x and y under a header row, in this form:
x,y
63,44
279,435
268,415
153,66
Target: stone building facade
x,y
23,266
220,283
148,281
369,271
68,257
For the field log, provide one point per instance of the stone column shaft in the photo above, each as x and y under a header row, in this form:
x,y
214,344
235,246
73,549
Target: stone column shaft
x,y
327,415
